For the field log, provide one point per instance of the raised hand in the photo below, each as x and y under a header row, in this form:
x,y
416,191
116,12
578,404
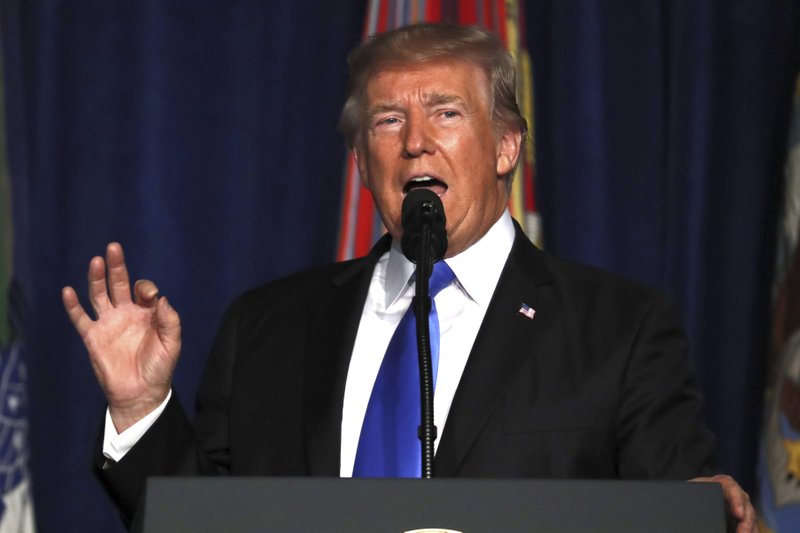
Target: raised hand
x,y
133,345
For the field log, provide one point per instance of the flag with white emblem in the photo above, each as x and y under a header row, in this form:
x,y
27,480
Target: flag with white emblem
x,y
779,459
16,506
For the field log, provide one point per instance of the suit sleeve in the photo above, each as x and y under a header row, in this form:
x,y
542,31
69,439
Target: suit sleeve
x,y
661,431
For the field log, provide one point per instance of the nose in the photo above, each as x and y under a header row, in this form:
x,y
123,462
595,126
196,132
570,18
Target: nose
x,y
418,139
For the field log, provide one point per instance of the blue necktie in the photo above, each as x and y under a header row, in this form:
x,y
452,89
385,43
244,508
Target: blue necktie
x,y
389,445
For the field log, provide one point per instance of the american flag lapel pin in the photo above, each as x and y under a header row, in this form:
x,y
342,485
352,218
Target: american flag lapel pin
x,y
527,310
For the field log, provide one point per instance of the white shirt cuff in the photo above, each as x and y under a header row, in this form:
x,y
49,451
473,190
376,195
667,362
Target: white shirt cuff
x,y
116,445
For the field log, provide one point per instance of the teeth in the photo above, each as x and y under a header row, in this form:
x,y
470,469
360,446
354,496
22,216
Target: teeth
x,y
424,181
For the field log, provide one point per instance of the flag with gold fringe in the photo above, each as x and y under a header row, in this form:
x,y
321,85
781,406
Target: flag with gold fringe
x,y
360,225
16,506
779,461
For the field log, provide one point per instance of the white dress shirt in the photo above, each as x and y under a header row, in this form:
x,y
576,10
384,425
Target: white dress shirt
x,y
460,307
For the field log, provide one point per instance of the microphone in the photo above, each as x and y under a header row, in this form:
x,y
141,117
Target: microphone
x,y
424,242
422,209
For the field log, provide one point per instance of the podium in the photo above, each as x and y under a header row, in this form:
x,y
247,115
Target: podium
x,y
248,504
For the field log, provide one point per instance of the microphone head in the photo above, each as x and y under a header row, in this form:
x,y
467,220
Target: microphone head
x,y
423,208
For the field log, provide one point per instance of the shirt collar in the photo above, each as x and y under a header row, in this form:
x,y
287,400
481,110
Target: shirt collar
x,y
399,274
477,268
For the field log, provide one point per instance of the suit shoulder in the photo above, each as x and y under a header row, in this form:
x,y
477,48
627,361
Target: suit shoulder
x,y
302,285
594,285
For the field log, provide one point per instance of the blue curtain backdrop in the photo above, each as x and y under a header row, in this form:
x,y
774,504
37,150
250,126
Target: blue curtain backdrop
x,y
202,135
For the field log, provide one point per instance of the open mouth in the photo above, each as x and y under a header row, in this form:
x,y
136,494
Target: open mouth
x,y
425,182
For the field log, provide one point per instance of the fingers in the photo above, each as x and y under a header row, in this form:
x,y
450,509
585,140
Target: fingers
x,y
747,523
118,280
75,311
98,294
737,502
737,498
145,293
109,283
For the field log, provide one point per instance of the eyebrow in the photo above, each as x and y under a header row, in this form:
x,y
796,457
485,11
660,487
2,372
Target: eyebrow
x,y
434,99
382,108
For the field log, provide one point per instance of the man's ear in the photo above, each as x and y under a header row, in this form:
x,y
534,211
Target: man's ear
x,y
508,151
362,171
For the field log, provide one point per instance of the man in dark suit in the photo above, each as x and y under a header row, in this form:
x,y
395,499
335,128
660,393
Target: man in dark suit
x,y
549,369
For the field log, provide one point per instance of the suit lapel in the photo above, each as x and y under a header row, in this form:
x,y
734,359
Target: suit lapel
x,y
506,338
331,340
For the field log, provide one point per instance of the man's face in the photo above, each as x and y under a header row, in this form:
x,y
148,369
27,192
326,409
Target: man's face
x,y
429,125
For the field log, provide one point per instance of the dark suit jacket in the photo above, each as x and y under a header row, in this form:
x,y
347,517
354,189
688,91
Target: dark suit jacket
x,y
596,385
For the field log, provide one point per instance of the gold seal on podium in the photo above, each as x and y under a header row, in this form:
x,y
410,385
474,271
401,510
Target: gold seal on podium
x,y
432,530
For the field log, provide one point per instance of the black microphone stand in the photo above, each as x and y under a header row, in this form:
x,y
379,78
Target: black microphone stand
x,y
424,241
422,307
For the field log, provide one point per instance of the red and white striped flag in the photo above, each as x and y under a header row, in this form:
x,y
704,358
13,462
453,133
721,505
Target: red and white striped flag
x,y
360,225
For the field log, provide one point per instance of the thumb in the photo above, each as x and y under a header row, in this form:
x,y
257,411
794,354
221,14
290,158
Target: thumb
x,y
168,324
